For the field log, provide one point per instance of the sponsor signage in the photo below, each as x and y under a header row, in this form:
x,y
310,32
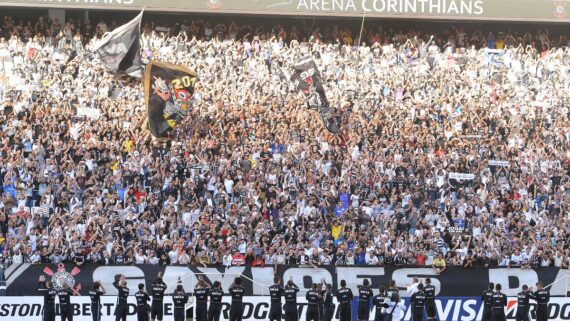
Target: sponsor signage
x,y
257,308
522,10
22,280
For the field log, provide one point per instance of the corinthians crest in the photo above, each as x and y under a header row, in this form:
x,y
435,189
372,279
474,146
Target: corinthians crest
x,y
559,9
61,277
214,4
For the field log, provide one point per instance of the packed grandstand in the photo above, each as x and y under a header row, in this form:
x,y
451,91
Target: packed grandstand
x,y
454,148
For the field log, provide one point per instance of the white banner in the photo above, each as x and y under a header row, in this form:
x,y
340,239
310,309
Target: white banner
x,y
92,113
463,176
499,163
257,308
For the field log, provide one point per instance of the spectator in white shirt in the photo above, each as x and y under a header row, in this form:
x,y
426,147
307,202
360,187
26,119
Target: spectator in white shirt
x,y
183,258
517,258
371,259
413,288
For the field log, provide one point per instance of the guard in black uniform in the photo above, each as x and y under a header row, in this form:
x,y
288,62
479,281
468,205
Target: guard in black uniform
x,y
328,308
65,309
418,302
379,302
344,297
429,290
542,297
201,294
523,303
157,291
392,288
49,293
487,299
215,302
276,292
290,293
498,304
95,294
142,303
237,292
312,297
321,289
122,307
179,298
364,296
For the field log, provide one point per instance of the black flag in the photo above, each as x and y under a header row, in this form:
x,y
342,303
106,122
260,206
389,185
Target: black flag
x,y
308,80
168,91
120,49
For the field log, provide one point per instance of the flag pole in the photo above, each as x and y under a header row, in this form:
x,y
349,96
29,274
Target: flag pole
x,y
361,29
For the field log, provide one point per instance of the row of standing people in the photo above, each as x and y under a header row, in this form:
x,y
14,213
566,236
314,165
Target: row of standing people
x,y
320,301
494,302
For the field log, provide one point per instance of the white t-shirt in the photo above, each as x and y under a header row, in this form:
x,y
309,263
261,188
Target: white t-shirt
x,y
517,259
139,259
229,184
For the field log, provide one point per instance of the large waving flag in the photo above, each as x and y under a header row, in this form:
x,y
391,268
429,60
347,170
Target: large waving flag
x,y
120,49
168,91
307,79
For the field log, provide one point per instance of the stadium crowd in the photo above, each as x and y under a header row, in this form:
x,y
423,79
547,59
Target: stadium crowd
x,y
253,178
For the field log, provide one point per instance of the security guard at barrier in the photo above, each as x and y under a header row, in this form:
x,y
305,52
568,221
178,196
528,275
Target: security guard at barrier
x,y
344,297
498,304
201,294
179,298
95,294
65,309
290,293
321,288
523,304
122,307
46,288
312,297
328,307
236,308
215,302
542,297
487,299
276,292
429,290
364,296
392,289
142,303
418,302
379,303
157,290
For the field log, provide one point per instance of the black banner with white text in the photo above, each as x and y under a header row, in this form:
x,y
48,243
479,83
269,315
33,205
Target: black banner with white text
x,y
22,280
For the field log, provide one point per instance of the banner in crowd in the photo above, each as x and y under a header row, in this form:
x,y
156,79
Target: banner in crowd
x,y
522,10
168,90
256,308
22,280
463,176
307,79
119,50
499,163
88,112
